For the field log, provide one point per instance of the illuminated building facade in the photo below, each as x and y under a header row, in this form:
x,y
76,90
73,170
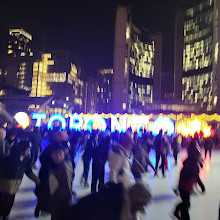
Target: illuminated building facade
x,y
65,87
104,90
19,60
90,95
137,66
200,55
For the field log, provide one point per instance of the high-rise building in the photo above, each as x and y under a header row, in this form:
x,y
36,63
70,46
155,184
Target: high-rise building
x,y
137,65
19,60
66,87
104,90
197,63
90,95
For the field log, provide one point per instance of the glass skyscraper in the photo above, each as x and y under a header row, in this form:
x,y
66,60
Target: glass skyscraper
x,y
200,54
137,65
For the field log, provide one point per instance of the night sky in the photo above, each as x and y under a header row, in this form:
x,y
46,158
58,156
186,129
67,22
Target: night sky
x,y
86,28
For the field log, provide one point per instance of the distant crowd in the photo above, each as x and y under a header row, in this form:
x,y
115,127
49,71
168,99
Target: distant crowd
x,y
126,153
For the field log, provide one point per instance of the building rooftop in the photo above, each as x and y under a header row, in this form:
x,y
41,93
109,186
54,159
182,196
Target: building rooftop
x,y
20,31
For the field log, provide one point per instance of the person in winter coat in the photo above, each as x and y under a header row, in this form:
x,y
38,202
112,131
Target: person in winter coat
x,y
176,148
59,140
140,158
11,139
160,146
112,202
74,145
208,145
119,162
91,144
36,140
99,157
12,170
55,188
189,176
4,146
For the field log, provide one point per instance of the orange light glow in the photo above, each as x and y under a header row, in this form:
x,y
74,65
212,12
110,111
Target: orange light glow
x,y
188,127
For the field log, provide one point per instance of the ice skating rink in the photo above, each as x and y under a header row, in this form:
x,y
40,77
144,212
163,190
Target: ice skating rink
x,y
164,200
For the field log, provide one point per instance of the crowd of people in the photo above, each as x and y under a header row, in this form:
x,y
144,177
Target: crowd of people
x,y
126,153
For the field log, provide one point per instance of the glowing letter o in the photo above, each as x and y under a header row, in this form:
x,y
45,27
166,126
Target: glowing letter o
x,y
56,117
164,123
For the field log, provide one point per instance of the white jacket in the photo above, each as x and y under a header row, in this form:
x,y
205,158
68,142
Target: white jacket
x,y
119,161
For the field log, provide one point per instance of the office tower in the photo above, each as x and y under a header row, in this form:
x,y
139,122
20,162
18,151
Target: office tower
x,y
197,55
65,86
40,87
137,65
19,60
90,95
104,90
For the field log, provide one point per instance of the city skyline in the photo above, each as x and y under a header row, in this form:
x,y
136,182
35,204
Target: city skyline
x,y
87,31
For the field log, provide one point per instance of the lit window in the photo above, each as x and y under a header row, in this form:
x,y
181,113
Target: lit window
x,y
124,106
10,51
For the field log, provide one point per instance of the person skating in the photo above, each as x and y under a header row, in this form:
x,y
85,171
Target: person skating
x,y
58,139
119,162
176,148
36,140
55,188
99,157
160,146
74,146
189,176
112,202
208,145
12,170
140,158
91,144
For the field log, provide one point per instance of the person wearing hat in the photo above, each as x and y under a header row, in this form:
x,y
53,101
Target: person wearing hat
x,y
112,202
189,176
119,162
55,188
12,170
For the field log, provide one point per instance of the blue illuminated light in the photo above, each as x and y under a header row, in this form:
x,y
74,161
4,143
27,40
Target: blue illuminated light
x,y
39,117
115,125
56,117
99,119
76,122
163,123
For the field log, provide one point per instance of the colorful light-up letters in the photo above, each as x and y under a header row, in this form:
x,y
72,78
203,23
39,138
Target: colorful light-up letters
x,y
163,123
57,117
76,122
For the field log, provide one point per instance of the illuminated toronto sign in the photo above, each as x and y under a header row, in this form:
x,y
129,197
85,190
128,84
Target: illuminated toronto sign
x,y
96,121
185,125
117,122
